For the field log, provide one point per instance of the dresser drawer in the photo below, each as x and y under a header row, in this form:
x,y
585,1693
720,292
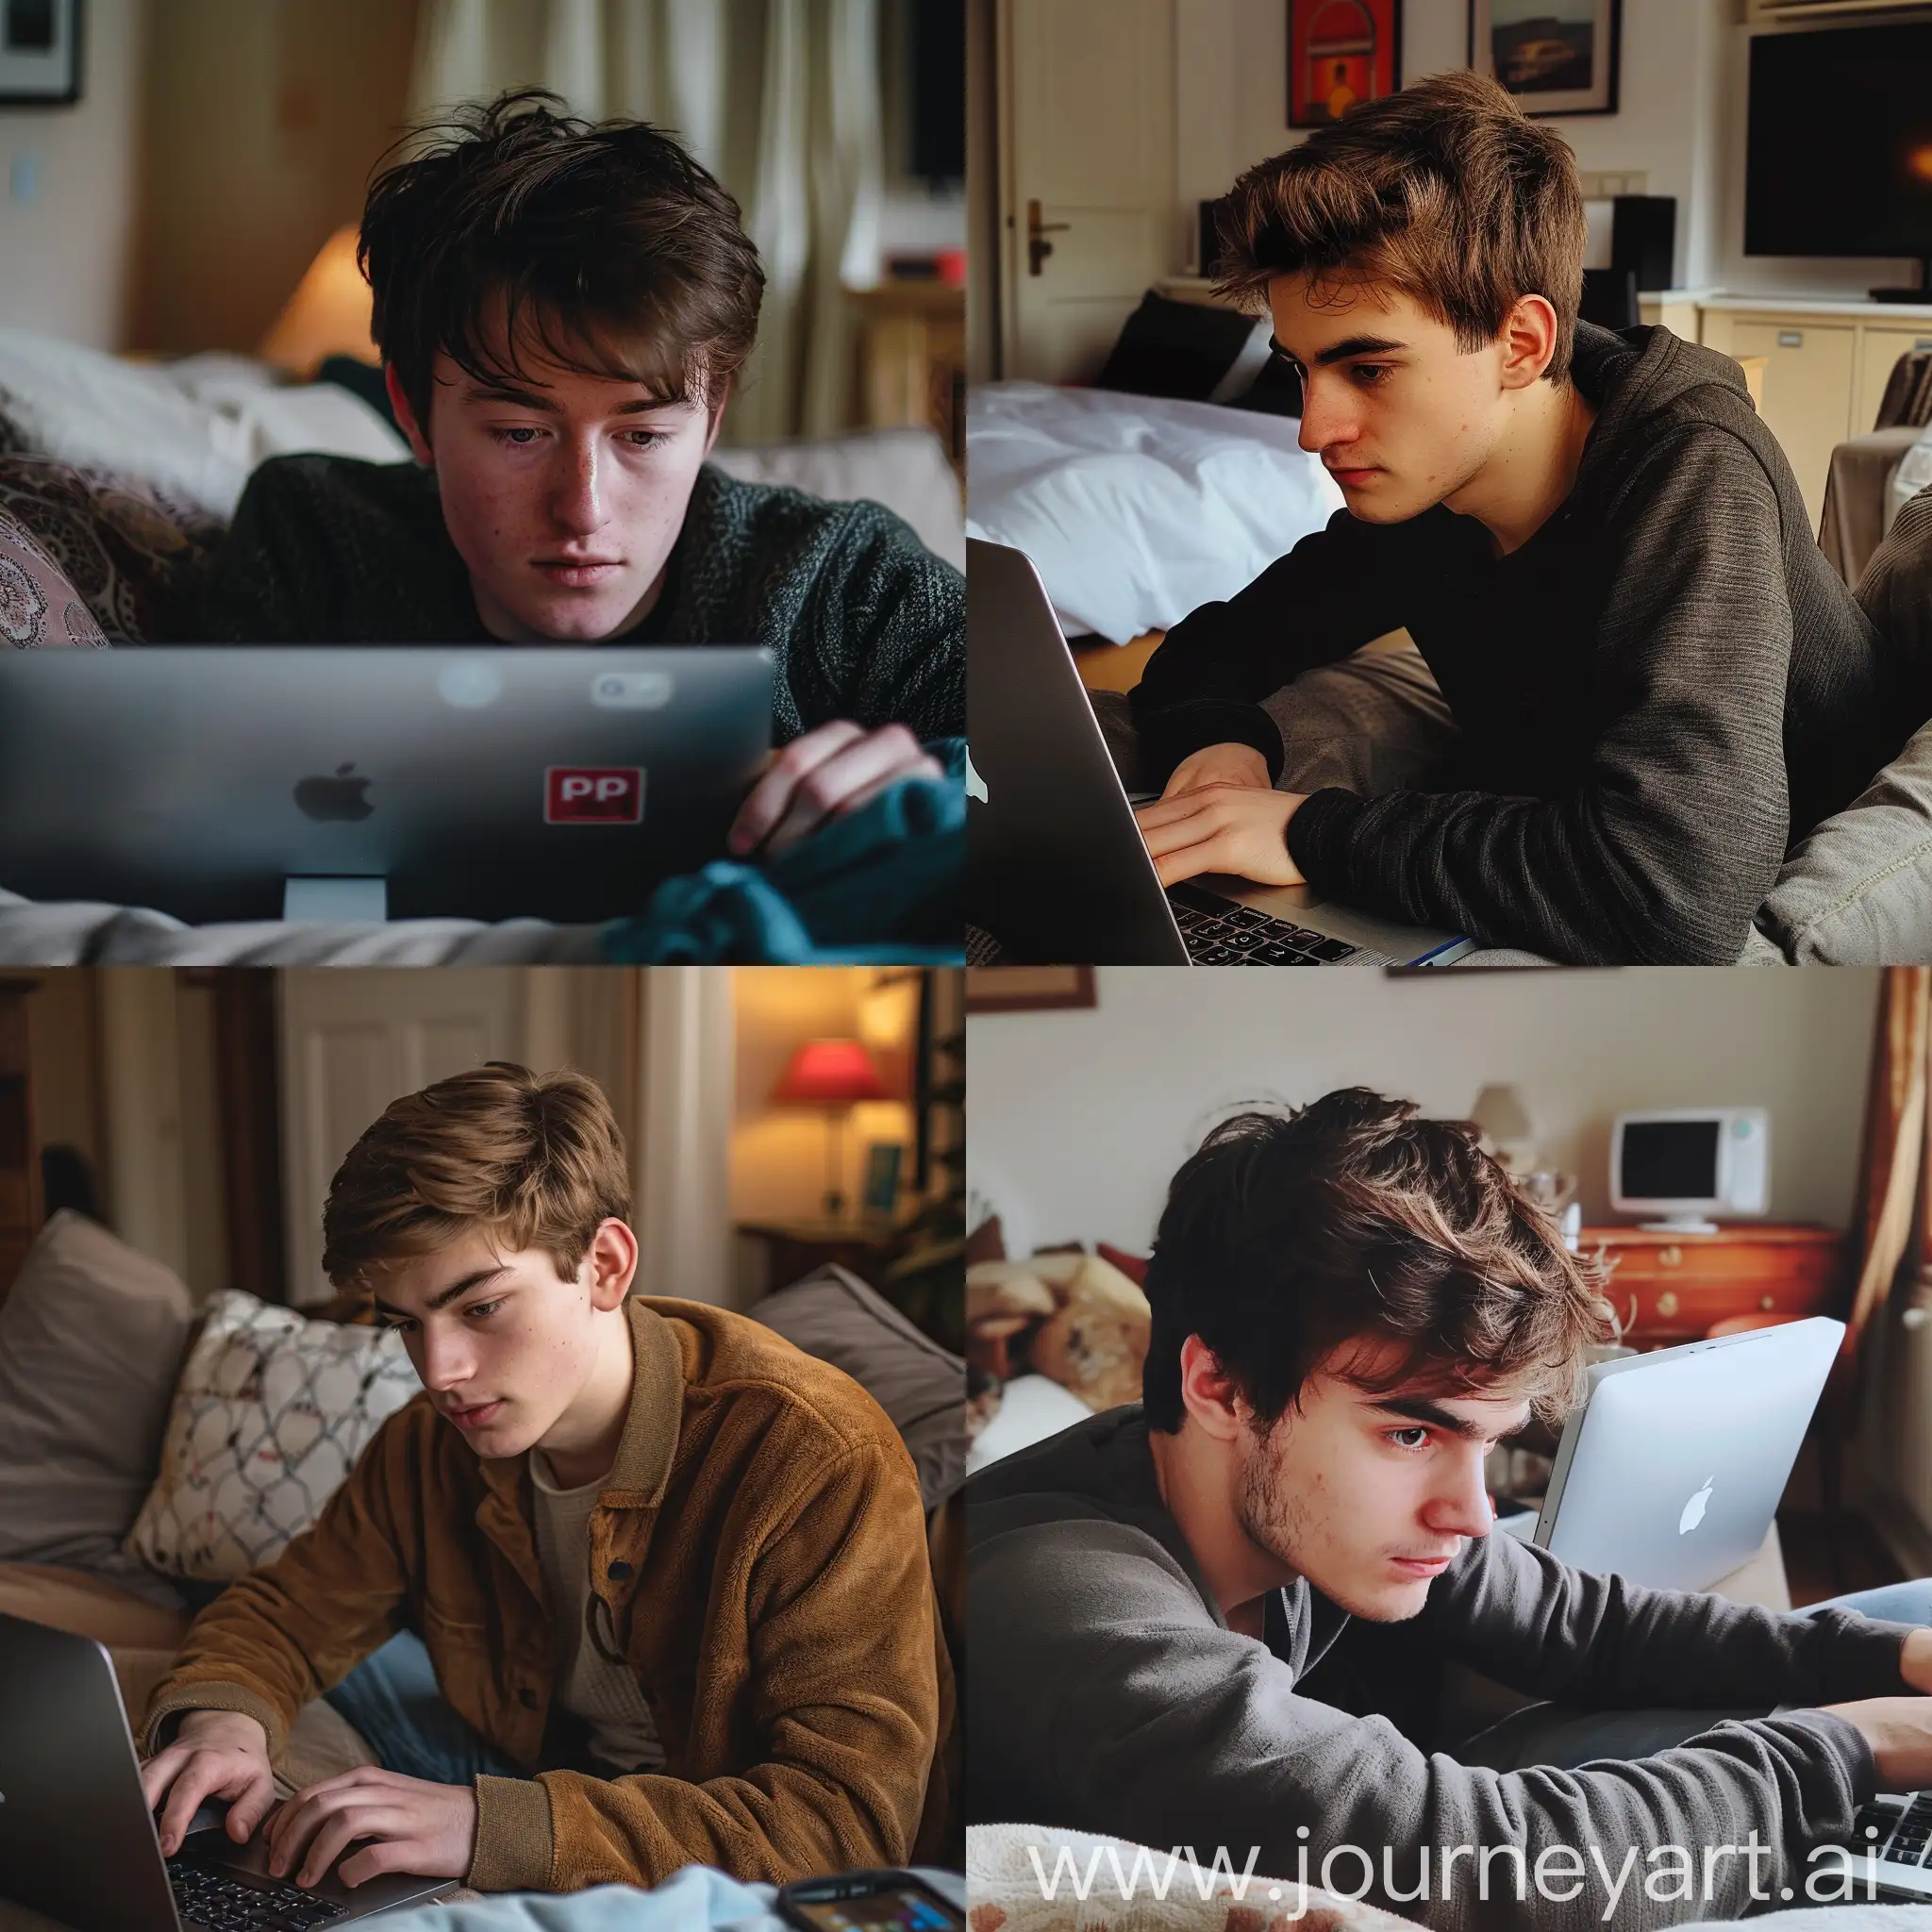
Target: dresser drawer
x,y
1674,1290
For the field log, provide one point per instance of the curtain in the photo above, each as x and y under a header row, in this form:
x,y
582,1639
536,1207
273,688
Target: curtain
x,y
781,99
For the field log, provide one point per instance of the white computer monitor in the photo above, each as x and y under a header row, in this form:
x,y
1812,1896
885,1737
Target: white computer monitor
x,y
1686,1164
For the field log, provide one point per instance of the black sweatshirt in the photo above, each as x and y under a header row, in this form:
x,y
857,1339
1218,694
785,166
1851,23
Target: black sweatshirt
x,y
1658,692
1108,1695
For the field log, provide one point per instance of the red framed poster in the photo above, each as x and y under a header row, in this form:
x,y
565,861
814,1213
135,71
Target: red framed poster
x,y
1341,52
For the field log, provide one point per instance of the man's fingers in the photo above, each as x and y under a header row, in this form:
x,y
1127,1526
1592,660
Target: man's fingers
x,y
386,1855
771,797
1189,861
342,1828
202,1775
843,783
247,1812
158,1773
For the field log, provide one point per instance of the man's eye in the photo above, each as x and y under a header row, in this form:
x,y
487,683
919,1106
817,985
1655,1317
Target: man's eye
x,y
482,1308
397,1327
646,438
1400,1436
1369,374
515,437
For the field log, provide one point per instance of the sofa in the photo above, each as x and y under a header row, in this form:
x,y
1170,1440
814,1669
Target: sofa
x,y
112,1388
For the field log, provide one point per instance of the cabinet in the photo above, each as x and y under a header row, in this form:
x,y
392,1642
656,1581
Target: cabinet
x,y
1671,1288
19,1159
1878,355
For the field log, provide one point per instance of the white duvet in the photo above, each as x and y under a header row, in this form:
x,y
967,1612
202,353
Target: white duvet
x,y
1134,509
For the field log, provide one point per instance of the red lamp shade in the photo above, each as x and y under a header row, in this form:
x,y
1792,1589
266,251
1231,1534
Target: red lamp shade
x,y
829,1072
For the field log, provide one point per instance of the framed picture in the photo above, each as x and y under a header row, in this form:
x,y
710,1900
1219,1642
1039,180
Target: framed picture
x,y
1341,52
1557,57
1027,988
880,1194
39,53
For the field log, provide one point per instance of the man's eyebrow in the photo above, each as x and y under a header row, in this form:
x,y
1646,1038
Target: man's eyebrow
x,y
444,1296
1417,1408
1358,345
529,399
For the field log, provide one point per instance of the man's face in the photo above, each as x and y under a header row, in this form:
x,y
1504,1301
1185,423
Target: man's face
x,y
1401,416
1371,1496
563,493
503,1344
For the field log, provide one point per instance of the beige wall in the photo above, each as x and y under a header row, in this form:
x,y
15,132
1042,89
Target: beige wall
x,y
66,256
63,1049
263,121
1080,1118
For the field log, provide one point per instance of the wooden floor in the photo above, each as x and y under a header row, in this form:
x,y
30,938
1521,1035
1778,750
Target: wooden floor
x,y
1866,1562
1113,667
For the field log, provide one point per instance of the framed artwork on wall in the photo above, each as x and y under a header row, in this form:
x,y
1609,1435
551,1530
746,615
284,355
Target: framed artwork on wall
x,y
1341,52
1557,57
39,53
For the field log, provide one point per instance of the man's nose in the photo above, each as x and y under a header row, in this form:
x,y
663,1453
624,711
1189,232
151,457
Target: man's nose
x,y
577,498
444,1362
1327,419
1462,1507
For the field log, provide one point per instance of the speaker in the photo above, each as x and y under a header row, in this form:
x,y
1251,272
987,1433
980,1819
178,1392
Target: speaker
x,y
1644,238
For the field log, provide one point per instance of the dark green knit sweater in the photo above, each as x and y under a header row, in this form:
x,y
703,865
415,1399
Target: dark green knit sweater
x,y
864,621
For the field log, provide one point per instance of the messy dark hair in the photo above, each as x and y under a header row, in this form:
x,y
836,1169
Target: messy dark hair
x,y
1446,192
611,251
1317,1237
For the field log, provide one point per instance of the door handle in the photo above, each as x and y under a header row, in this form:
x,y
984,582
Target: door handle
x,y
1038,246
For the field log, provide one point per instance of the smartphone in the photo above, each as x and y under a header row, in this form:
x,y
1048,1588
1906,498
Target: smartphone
x,y
882,1901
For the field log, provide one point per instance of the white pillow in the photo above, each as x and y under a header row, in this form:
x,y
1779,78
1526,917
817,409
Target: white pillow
x,y
270,1414
1136,509
193,429
1032,1407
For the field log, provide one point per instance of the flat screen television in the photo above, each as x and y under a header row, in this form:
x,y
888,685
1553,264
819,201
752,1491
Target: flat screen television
x,y
1840,147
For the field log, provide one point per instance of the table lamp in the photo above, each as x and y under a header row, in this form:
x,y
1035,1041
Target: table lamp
x,y
834,1075
327,315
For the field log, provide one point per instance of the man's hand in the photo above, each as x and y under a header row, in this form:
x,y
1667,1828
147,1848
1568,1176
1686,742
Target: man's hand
x,y
1915,1660
1232,828
1899,1730
216,1754
1219,764
826,773
416,1826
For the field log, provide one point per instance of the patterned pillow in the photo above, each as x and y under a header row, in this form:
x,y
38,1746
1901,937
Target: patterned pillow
x,y
135,557
39,608
270,1414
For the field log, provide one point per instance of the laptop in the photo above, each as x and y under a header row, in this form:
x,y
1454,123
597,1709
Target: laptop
x,y
1056,868
357,782
78,1843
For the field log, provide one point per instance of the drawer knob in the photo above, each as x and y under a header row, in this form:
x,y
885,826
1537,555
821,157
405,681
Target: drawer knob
x,y
1667,1304
1767,1303
1669,1258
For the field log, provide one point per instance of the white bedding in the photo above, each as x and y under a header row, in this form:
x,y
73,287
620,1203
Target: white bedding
x,y
1136,509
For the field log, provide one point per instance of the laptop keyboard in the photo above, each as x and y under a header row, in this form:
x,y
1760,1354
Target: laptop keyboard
x,y
1902,1829
1239,936
222,1903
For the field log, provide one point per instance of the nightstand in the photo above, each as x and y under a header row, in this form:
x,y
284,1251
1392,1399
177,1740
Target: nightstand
x,y
1671,1288
794,1248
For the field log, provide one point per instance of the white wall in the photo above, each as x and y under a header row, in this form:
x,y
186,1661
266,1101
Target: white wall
x,y
1681,120
66,253
1078,1119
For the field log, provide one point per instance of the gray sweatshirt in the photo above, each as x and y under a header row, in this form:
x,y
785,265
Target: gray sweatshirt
x,y
1108,1695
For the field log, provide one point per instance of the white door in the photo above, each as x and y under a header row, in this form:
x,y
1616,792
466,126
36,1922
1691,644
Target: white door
x,y
1087,210
351,1043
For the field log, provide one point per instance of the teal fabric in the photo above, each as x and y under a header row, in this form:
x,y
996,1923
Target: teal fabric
x,y
881,885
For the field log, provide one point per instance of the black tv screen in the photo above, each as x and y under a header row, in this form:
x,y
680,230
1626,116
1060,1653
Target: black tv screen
x,y
1839,150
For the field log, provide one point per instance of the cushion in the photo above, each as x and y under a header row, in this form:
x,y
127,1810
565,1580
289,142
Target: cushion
x,y
1181,349
39,608
833,1315
270,1414
91,1336
134,556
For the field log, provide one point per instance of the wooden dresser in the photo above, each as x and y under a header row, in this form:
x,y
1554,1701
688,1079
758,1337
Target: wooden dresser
x,y
1670,1288
20,1160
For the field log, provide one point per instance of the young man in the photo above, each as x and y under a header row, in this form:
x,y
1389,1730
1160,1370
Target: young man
x,y
1594,542
668,1572
562,310
1221,1617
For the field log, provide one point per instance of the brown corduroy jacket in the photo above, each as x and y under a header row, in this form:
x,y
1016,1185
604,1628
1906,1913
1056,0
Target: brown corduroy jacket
x,y
759,1557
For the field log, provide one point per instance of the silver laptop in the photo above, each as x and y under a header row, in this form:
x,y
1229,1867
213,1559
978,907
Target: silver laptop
x,y
1056,868
341,781
1672,1465
78,1840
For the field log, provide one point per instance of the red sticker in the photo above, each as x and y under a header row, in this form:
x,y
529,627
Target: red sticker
x,y
593,794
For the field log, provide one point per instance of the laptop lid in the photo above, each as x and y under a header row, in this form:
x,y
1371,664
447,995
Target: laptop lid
x,y
1056,870
544,781
1673,1465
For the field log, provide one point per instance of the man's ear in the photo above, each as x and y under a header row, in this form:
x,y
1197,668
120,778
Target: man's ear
x,y
1212,1398
613,1262
1529,340
405,416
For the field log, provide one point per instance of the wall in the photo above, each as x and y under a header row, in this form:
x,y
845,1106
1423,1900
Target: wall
x,y
1079,1117
1681,120
69,250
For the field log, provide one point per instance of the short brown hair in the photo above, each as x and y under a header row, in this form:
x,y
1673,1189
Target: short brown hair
x,y
534,1160
621,256
1288,1236
1447,192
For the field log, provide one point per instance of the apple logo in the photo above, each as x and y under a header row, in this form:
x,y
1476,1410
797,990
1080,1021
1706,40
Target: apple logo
x,y
1693,1509
340,797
